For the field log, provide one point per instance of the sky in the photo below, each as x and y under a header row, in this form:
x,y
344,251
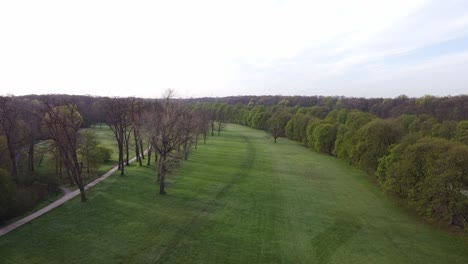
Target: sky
x,y
355,48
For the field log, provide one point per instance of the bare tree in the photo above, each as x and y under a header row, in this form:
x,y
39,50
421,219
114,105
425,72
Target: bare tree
x,y
9,117
32,117
166,123
63,123
189,132
117,118
136,113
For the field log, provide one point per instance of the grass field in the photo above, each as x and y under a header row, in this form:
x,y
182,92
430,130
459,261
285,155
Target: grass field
x,y
106,139
239,199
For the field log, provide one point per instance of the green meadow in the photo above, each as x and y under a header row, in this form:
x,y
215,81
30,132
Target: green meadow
x,y
238,199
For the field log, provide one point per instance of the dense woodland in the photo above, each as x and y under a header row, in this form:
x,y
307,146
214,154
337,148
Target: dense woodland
x,y
416,148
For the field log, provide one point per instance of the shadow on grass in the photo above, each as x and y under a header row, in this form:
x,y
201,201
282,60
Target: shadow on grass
x,y
197,220
332,238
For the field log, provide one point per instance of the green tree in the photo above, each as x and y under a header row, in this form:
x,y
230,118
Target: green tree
x,y
91,153
324,137
430,175
461,134
276,124
297,126
372,142
313,123
345,137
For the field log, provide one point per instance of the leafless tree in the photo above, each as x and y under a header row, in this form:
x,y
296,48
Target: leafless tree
x,y
63,123
189,132
166,122
10,111
117,118
136,113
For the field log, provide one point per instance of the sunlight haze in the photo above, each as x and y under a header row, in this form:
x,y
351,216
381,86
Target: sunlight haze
x,y
219,48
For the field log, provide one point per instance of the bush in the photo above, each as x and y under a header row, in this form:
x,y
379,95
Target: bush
x,y
105,154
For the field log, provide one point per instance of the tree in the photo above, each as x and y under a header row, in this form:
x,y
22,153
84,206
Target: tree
x,y
33,117
276,124
90,152
324,137
461,134
430,175
63,123
189,132
166,123
220,116
345,137
117,118
296,128
136,114
372,142
9,118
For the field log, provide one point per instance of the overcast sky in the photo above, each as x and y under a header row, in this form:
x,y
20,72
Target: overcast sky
x,y
369,48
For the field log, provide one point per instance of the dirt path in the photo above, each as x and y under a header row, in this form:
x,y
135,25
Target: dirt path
x,y
68,196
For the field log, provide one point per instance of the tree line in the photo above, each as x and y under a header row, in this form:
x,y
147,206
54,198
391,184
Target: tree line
x,y
416,148
420,158
31,127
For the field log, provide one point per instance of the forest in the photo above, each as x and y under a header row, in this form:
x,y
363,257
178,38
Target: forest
x,y
415,149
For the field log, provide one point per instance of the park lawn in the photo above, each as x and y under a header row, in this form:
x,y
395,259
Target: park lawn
x,y
106,139
239,199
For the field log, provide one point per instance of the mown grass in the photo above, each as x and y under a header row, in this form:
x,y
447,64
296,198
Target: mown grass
x,y
239,199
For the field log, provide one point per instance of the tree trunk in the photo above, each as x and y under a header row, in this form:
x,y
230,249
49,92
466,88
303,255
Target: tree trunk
x,y
87,166
14,165
31,156
162,183
82,193
149,157
137,147
162,175
119,145
159,169
142,149
121,158
127,150
70,178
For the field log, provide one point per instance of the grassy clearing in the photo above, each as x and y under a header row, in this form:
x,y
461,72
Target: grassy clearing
x,y
239,199
105,138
